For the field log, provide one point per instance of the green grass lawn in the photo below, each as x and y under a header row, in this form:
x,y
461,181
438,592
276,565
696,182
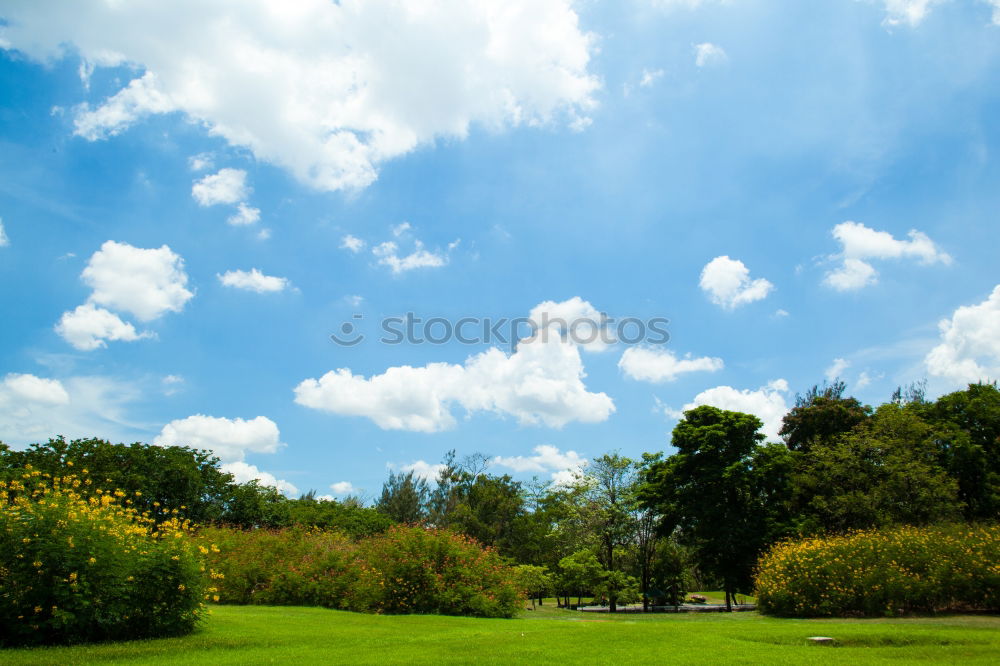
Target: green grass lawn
x,y
268,634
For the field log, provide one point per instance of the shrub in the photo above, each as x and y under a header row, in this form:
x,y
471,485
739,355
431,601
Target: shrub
x,y
417,570
75,568
296,566
883,572
405,570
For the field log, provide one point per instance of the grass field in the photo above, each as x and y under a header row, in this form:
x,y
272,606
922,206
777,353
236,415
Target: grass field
x,y
267,634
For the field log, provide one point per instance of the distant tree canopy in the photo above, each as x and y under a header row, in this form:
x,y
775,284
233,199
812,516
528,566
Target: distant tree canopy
x,y
821,415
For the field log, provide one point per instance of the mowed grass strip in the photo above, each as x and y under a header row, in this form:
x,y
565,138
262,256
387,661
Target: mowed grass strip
x,y
268,634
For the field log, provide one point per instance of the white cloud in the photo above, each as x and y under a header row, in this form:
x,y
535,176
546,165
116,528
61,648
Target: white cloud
x,y
352,243
327,90
859,244
837,368
342,488
145,282
649,77
656,365
228,186
727,282
30,388
253,280
4,241
87,327
422,469
244,216
766,403
706,54
996,11
171,384
970,343
388,255
244,473
574,320
780,312
201,161
685,4
864,379
910,12
229,439
562,467
540,383
33,409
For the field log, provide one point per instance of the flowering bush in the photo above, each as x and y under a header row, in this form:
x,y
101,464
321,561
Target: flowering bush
x,y
405,570
697,599
880,572
78,563
416,570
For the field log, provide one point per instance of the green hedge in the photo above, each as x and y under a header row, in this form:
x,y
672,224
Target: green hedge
x,y
883,572
404,570
76,567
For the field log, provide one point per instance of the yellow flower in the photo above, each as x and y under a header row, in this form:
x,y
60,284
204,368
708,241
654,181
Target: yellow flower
x,y
181,587
215,597
92,560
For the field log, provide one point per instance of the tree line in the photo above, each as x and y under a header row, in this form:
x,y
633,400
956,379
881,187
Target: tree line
x,y
630,529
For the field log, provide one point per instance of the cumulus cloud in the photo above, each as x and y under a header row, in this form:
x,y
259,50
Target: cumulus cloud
x,y
563,467
422,469
766,403
327,90
228,186
575,320
201,161
388,255
147,283
244,473
88,327
837,368
541,383
229,439
352,243
970,343
706,54
649,77
860,244
342,488
244,216
32,408
662,365
727,283
253,280
908,12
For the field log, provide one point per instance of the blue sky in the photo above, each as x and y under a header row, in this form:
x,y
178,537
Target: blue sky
x,y
195,196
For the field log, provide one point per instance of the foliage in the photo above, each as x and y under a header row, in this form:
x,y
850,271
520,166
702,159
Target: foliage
x,y
579,574
404,498
536,582
670,576
350,518
883,473
721,491
821,415
416,570
880,572
176,476
76,568
403,570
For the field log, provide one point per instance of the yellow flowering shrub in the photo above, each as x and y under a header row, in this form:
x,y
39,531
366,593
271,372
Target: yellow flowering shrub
x,y
78,563
883,572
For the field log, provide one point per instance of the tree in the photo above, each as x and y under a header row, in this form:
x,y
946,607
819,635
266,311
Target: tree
x,y
713,494
885,472
535,581
404,498
821,415
580,573
609,509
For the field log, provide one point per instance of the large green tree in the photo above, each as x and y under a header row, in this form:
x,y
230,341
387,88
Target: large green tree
x,y
821,415
722,493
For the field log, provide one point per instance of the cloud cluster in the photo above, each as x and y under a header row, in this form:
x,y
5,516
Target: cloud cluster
x,y
327,90
970,343
146,283
230,440
541,383
861,244
706,54
662,365
727,283
253,280
563,468
766,403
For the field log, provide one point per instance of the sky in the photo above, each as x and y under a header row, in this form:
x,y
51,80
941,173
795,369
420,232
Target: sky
x,y
213,214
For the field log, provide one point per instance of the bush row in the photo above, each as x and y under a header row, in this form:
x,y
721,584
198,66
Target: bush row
x,y
883,572
404,570
79,563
